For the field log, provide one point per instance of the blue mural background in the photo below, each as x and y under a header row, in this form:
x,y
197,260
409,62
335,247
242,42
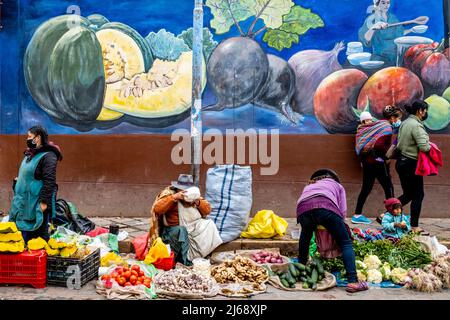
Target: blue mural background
x,y
20,19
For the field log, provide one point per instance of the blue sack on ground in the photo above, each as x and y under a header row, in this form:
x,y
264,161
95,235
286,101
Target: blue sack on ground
x,y
229,192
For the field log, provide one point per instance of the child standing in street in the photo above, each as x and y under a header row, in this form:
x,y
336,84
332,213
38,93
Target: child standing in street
x,y
395,223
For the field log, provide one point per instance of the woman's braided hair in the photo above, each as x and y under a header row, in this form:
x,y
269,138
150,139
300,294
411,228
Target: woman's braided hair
x,y
323,174
314,180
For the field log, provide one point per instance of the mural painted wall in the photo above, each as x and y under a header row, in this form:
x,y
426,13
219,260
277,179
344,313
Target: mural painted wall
x,y
306,66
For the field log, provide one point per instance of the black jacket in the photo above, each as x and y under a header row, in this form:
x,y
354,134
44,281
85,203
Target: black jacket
x,y
46,171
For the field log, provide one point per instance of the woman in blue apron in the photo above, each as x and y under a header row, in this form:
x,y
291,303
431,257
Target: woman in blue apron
x,y
33,204
377,35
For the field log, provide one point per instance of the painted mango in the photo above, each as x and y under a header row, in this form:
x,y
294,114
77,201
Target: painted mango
x,y
70,59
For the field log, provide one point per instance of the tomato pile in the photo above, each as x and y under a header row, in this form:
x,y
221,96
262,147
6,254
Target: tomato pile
x,y
128,276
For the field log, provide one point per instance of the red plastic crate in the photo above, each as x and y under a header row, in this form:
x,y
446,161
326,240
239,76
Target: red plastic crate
x,y
165,263
28,267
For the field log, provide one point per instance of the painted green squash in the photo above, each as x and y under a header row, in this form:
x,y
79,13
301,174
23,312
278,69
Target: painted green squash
x,y
97,21
70,59
37,60
76,76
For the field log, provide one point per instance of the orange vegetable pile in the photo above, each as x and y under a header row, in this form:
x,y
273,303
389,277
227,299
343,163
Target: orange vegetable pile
x,y
127,276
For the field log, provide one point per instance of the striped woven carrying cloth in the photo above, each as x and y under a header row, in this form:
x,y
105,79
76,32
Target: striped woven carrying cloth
x,y
368,134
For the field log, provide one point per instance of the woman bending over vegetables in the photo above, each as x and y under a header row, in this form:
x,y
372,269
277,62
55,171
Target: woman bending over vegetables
x,y
323,202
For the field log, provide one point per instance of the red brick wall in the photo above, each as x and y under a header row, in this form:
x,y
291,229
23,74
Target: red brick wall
x,y
109,175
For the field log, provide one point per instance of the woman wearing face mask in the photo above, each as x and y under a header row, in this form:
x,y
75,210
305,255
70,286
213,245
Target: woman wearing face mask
x,y
35,188
412,137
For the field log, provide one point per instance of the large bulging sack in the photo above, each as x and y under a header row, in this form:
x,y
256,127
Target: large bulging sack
x,y
229,192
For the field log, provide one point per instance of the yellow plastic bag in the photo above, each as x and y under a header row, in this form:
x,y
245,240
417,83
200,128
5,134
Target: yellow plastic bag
x,y
265,224
15,236
8,227
157,251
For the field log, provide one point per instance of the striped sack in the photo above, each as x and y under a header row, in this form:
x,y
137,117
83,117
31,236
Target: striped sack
x,y
229,192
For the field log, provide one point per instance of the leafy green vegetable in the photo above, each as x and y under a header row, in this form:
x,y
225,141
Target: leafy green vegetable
x,y
332,265
165,45
406,253
300,20
209,44
279,39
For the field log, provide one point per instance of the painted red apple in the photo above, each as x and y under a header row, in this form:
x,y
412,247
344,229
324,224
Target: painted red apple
x,y
431,63
413,52
335,99
390,86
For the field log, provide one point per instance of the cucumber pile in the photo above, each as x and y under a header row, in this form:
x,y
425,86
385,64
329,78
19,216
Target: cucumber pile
x,y
308,275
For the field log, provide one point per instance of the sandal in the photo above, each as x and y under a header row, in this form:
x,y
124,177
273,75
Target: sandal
x,y
356,287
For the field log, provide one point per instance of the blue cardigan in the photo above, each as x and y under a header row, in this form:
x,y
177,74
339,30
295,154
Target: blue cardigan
x,y
388,225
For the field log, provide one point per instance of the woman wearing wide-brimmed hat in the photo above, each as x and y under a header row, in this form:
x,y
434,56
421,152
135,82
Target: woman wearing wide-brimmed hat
x,y
182,211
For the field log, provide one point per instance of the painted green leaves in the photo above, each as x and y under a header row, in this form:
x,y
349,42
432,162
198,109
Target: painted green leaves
x,y
300,20
228,12
270,11
284,22
165,45
209,44
280,39
296,23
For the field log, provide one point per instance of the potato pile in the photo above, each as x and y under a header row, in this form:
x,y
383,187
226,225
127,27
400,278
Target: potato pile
x,y
239,269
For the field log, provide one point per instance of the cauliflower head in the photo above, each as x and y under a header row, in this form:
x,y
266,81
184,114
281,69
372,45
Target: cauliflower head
x,y
362,276
398,275
374,276
360,265
386,271
372,262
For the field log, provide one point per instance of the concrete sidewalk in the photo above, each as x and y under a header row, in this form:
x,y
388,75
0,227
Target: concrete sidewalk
x,y
137,227
289,246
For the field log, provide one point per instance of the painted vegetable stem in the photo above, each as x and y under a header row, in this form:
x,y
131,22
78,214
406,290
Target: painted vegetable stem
x,y
284,22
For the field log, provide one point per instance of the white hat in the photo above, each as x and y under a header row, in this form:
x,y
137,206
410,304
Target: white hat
x,y
365,115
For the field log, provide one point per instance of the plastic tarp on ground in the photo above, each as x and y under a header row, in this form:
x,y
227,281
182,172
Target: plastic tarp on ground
x,y
67,215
